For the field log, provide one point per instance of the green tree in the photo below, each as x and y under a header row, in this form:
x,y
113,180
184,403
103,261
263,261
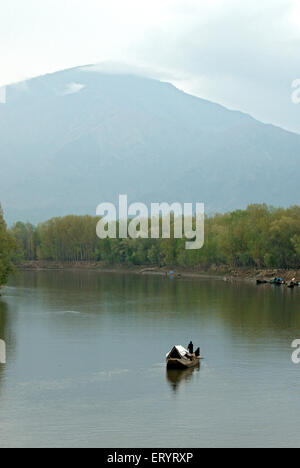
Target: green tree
x,y
7,244
259,236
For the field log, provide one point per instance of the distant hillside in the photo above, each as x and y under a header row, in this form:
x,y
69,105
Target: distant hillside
x,y
75,138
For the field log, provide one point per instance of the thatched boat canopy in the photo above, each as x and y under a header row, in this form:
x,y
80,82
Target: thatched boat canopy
x,y
177,352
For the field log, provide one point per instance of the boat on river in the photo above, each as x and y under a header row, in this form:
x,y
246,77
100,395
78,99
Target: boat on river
x,y
293,283
181,358
261,281
277,281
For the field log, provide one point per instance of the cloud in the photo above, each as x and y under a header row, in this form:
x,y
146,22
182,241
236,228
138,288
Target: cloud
x,y
2,95
73,88
121,68
243,54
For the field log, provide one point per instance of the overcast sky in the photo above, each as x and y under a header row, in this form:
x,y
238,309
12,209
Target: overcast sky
x,y
244,54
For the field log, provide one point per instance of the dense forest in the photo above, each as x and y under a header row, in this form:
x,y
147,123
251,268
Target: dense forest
x,y
260,236
7,246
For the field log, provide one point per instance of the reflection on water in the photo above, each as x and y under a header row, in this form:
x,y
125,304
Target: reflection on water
x,y
2,335
7,335
86,350
177,376
237,304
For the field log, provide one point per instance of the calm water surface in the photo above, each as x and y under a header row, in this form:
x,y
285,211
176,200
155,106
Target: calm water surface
x,y
85,362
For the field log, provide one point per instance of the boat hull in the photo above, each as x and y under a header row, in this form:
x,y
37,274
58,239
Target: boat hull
x,y
183,363
259,281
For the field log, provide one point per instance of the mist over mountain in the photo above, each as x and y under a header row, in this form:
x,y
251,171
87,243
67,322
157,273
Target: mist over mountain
x,y
76,138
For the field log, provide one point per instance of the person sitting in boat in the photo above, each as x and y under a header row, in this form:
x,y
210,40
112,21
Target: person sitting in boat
x,y
191,347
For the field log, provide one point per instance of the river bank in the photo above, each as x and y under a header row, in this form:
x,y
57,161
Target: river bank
x,y
218,272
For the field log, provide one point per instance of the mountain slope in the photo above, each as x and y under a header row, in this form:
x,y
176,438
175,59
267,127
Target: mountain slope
x,y
75,138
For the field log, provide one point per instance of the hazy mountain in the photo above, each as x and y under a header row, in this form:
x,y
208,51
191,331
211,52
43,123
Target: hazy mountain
x,y
75,138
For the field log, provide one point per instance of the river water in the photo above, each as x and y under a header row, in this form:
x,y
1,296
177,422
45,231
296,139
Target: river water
x,y
86,362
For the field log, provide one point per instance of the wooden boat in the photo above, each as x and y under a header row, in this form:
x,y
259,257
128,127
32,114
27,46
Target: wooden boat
x,y
292,284
277,281
180,358
261,281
